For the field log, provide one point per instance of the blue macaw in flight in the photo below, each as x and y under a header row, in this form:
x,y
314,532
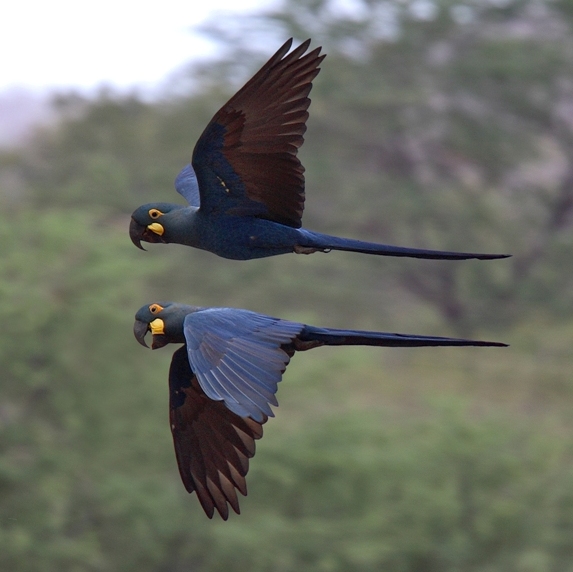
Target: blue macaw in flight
x,y
223,380
245,183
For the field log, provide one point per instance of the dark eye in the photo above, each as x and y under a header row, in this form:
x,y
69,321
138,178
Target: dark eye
x,y
155,308
154,213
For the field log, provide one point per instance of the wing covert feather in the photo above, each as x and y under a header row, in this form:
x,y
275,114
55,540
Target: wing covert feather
x,y
237,357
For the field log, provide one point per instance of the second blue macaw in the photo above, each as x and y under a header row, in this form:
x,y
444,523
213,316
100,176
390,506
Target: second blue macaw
x,y
223,381
245,183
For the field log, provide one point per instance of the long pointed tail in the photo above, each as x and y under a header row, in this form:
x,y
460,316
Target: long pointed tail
x,y
333,337
324,242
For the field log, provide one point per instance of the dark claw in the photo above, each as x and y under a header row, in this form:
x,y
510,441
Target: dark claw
x,y
140,329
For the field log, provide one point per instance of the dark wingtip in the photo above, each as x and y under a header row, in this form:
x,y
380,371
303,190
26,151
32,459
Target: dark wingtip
x,y
136,231
140,329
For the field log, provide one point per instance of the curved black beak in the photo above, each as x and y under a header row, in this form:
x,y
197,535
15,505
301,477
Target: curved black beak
x,y
136,233
140,329
139,232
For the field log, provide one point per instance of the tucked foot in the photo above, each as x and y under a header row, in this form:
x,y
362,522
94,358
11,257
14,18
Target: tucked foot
x,y
298,249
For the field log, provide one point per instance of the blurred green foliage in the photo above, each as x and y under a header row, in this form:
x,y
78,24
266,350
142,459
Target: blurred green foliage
x,y
433,124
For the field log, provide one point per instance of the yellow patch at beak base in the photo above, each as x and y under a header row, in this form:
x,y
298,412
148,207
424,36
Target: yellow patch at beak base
x,y
156,228
157,326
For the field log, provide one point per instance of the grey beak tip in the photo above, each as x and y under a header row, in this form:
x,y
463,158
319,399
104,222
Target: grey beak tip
x,y
139,331
135,233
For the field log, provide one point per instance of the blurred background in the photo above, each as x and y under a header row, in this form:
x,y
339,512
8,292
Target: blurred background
x,y
434,123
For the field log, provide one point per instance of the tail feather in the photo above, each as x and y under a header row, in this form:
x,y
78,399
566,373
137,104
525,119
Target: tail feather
x,y
334,337
325,242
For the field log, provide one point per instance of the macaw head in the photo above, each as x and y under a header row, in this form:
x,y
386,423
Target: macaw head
x,y
165,322
148,223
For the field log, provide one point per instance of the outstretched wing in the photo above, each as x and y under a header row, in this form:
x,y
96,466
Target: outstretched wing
x,y
186,185
212,444
246,159
237,357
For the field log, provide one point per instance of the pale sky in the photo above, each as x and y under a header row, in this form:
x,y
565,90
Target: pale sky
x,y
65,43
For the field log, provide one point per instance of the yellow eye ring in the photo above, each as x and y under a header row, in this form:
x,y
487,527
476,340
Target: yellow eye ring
x,y
155,308
155,213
